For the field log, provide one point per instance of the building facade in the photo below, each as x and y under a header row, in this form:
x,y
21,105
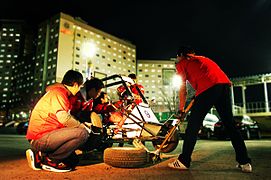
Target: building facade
x,y
66,43
16,64
158,79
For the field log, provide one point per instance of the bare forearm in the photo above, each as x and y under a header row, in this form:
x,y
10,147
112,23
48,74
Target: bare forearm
x,y
182,96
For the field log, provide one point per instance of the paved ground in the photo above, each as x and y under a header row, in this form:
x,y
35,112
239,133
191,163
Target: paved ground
x,y
212,159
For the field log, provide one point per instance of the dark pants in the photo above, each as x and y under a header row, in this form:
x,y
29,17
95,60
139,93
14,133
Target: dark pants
x,y
61,143
220,97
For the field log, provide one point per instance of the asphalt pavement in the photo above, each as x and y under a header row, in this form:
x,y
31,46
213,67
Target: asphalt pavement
x,y
212,159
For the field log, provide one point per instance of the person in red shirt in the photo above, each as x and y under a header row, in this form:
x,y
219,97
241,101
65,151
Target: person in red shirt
x,y
53,133
212,87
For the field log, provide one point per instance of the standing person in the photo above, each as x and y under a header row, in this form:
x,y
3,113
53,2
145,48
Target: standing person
x,y
212,88
53,133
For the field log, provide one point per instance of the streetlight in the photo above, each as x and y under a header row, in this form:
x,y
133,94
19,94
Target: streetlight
x,y
89,49
176,82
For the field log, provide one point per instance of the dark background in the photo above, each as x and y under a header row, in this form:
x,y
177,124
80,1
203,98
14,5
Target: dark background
x,y
235,34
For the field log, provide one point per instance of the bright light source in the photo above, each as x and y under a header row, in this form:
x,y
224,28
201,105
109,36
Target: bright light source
x,y
176,81
88,49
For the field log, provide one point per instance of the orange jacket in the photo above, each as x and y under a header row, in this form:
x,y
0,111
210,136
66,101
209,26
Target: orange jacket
x,y
43,117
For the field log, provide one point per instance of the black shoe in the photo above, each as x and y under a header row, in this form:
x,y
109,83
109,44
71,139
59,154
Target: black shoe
x,y
33,159
54,166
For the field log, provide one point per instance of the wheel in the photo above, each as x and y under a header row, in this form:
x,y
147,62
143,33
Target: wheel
x,y
208,134
125,157
247,134
258,135
205,133
169,145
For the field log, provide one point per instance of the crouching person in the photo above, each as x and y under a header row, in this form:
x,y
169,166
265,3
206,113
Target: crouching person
x,y
82,109
53,133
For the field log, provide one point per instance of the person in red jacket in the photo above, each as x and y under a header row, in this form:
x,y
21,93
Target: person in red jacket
x,y
53,133
135,90
82,102
212,88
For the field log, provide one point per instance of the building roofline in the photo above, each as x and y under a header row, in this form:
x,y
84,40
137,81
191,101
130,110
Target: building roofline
x,y
81,23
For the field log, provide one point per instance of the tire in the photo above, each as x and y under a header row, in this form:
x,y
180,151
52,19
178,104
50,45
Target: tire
x,y
125,157
170,145
208,134
258,135
247,134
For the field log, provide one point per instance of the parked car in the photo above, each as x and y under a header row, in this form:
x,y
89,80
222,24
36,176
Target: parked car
x,y
21,128
246,125
207,129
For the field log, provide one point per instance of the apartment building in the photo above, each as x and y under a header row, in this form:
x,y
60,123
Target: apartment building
x,y
65,43
16,64
158,79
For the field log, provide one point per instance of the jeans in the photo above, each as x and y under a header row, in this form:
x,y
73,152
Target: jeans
x,y
220,97
61,143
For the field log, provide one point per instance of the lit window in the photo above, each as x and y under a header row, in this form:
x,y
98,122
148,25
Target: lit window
x,y
11,35
4,34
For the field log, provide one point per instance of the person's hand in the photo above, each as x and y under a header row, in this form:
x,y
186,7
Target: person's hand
x,y
181,112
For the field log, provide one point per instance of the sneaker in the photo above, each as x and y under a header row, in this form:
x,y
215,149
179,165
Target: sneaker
x,y
177,165
245,167
33,160
50,165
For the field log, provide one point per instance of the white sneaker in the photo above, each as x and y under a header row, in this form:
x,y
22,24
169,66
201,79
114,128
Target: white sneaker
x,y
245,167
32,160
177,165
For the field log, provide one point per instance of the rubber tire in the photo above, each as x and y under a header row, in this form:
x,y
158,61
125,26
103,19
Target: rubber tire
x,y
258,135
247,134
169,147
125,157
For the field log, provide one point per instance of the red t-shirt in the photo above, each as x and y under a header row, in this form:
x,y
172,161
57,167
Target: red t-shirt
x,y
201,72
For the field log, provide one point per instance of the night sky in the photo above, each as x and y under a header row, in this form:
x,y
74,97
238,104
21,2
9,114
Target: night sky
x,y
234,33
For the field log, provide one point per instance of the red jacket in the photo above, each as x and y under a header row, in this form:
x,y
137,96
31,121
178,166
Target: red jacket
x,y
201,72
43,117
79,103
